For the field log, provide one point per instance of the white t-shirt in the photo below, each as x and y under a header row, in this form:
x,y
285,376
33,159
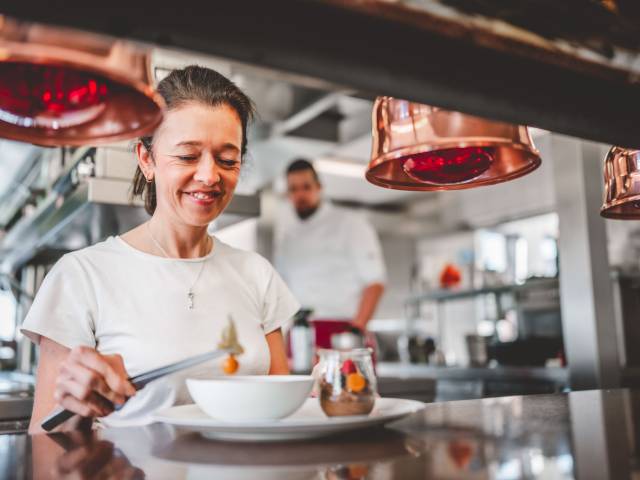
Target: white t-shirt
x,y
118,299
328,259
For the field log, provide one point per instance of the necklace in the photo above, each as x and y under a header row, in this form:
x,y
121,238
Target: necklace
x,y
190,294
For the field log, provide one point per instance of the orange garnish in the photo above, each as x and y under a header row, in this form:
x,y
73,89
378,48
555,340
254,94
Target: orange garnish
x,y
230,365
356,382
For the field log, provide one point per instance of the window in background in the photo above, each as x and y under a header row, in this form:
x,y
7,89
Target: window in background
x,y
491,251
539,233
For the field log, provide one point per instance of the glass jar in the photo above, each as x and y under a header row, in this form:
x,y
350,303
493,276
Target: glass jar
x,y
347,381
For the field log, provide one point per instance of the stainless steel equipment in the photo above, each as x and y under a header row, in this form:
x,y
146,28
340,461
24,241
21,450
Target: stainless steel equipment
x,y
477,348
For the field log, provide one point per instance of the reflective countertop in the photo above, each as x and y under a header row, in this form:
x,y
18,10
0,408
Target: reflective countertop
x,y
590,434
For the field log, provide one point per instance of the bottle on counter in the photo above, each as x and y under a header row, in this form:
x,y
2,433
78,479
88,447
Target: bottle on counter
x,y
302,342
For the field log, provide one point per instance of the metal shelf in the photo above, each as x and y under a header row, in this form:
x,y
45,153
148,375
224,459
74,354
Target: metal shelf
x,y
558,375
446,295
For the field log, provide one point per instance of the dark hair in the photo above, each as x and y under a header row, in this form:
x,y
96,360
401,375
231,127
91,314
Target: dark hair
x,y
201,85
301,165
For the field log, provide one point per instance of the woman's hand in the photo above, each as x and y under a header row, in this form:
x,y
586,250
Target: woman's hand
x,y
91,384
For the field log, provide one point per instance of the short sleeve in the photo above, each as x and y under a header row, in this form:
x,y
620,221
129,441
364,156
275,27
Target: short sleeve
x,y
279,305
367,252
64,307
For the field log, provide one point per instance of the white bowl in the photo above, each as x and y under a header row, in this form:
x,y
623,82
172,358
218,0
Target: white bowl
x,y
250,398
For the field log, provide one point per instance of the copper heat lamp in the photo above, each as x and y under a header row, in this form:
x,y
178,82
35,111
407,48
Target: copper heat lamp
x,y
419,147
621,184
66,87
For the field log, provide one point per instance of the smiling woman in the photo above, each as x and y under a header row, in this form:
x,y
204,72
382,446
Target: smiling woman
x,y
164,290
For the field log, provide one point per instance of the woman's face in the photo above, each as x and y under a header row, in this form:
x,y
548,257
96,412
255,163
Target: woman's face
x,y
196,162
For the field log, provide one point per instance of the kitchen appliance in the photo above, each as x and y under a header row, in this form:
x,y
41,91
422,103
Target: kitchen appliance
x,y
621,184
420,147
477,349
530,352
415,348
60,86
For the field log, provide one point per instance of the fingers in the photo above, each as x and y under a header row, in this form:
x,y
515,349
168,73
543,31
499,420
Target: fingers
x,y
104,365
80,407
98,405
91,381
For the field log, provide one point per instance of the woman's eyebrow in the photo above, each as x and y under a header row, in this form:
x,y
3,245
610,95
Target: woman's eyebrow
x,y
230,146
192,143
195,143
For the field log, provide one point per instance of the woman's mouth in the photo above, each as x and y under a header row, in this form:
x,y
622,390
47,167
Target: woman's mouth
x,y
204,198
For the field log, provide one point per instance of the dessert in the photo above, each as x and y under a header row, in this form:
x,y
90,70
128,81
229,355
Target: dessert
x,y
347,393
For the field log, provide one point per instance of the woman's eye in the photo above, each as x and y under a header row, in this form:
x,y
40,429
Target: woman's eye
x,y
187,158
228,163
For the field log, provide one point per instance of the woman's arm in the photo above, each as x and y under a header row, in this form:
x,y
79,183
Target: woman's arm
x,y
52,355
279,363
368,303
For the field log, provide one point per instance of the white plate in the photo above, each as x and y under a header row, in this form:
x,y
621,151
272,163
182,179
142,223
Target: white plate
x,y
308,422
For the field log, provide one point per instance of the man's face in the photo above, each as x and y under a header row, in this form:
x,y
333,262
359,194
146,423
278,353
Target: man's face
x,y
304,192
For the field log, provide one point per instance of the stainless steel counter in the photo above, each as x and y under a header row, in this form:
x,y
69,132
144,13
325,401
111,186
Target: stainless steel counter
x,y
590,434
459,383
16,401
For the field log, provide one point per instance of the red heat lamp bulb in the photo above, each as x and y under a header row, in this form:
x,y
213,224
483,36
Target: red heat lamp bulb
x,y
50,96
449,166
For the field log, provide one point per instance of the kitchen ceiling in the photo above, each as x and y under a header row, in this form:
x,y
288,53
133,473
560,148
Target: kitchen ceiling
x,y
454,55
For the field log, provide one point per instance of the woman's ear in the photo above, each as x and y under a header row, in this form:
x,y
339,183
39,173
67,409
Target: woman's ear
x,y
145,161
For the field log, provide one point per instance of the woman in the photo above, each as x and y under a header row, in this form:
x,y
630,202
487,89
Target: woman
x,y
163,291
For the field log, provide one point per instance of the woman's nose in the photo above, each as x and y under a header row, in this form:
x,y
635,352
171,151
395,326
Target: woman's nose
x,y
207,171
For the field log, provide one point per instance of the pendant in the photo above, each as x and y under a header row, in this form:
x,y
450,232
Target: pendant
x,y
190,297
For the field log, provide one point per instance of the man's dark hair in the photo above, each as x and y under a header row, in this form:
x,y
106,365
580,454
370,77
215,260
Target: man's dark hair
x,y
300,165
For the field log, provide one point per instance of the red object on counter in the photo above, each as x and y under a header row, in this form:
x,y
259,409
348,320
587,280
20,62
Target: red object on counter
x,y
450,276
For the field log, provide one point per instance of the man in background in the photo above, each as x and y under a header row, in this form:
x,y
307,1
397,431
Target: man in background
x,y
330,258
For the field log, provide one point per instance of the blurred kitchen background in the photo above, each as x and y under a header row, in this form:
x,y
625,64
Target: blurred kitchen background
x,y
474,304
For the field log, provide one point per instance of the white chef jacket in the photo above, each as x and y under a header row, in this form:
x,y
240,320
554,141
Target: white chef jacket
x,y
328,259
